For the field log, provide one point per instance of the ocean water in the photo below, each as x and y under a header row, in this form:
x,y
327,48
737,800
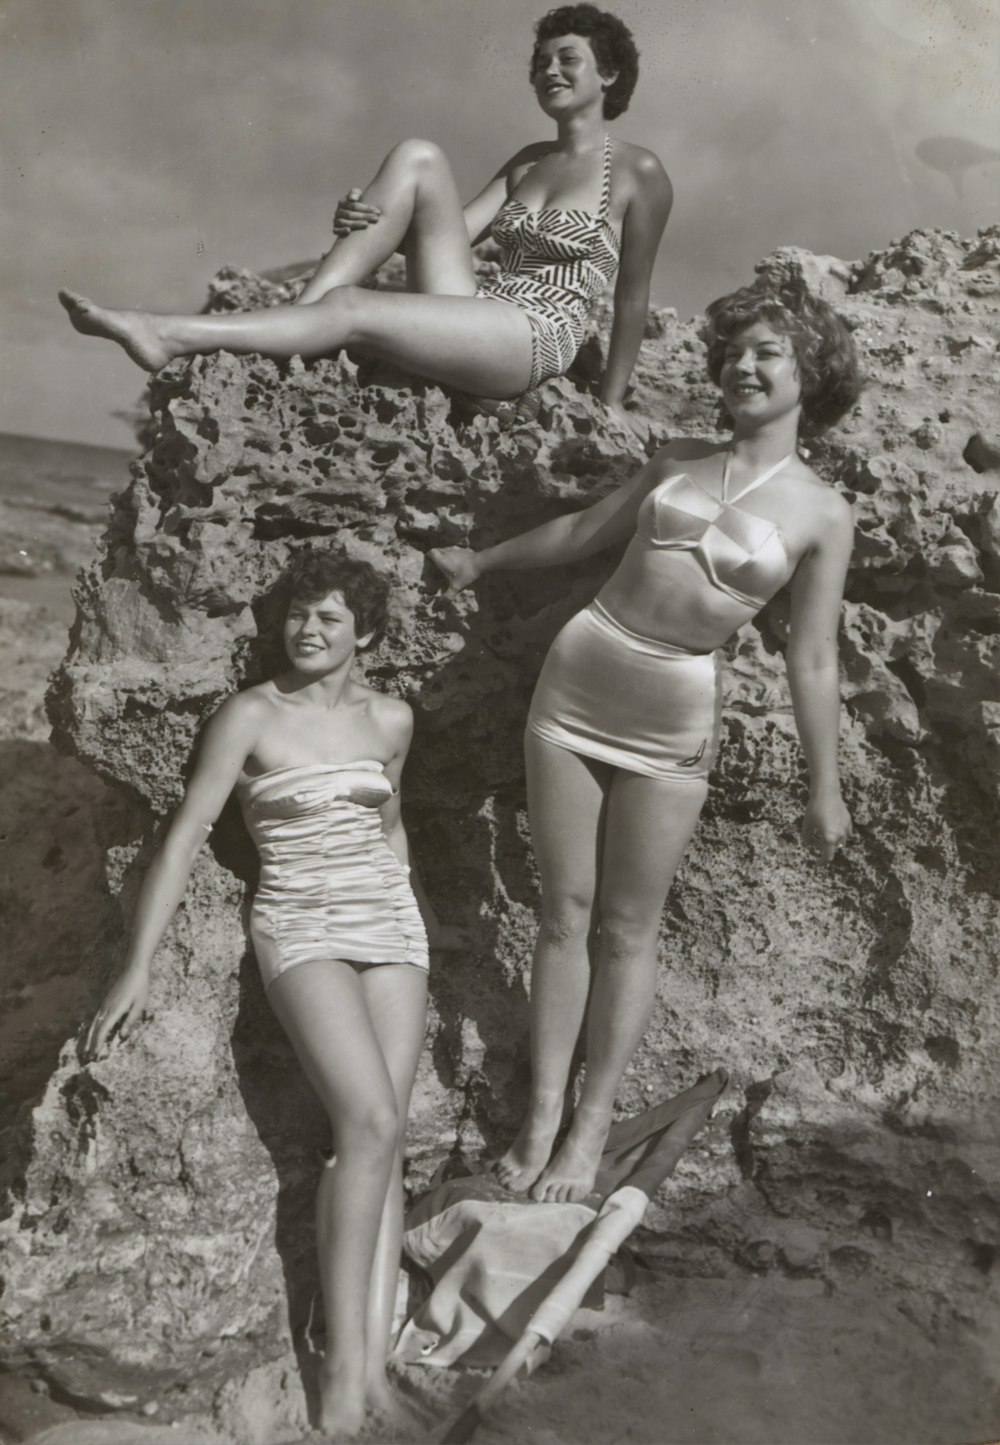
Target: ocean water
x,y
54,499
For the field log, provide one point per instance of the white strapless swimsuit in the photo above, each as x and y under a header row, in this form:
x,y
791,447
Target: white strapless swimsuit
x,y
330,885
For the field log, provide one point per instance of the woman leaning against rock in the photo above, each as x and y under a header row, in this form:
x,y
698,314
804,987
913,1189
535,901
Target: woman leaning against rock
x,y
624,723
567,214
315,758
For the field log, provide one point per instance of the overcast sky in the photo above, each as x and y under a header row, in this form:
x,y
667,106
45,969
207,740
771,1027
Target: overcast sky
x,y
148,142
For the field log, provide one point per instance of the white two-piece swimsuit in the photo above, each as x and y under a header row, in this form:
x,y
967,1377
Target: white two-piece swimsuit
x,y
638,703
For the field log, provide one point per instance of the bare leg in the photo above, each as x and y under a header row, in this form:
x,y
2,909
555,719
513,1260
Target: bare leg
x,y
648,827
566,795
477,344
421,210
323,1009
397,1004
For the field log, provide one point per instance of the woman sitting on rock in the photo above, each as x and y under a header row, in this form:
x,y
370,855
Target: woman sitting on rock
x,y
315,758
625,719
567,214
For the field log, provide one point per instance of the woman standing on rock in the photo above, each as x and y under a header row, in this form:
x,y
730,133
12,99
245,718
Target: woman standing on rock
x,y
625,719
315,758
566,214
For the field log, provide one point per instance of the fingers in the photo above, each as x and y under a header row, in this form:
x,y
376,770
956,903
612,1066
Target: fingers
x,y
97,1037
110,1026
442,563
354,214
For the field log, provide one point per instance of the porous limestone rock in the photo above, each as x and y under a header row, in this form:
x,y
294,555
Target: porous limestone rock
x,y
159,1234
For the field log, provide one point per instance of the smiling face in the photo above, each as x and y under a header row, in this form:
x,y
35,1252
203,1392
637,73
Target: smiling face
x,y
321,636
566,76
760,375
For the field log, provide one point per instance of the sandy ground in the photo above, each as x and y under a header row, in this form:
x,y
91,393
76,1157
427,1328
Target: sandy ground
x,y
750,1361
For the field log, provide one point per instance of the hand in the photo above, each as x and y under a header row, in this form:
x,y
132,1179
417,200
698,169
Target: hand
x,y
460,566
449,938
123,1007
353,214
631,420
826,825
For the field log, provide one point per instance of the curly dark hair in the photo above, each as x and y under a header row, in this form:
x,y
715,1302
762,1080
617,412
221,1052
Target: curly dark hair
x,y
611,41
313,574
824,348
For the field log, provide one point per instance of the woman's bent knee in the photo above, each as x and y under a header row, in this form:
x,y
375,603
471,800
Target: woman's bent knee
x,y
421,154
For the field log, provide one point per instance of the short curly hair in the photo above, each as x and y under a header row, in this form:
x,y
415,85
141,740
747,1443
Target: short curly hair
x,y
611,41
314,573
824,349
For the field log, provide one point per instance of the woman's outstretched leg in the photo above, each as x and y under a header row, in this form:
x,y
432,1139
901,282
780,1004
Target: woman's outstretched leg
x,y
565,805
323,1009
648,826
396,995
421,212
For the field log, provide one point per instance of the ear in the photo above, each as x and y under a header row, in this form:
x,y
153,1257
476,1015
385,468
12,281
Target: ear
x,y
361,643
608,80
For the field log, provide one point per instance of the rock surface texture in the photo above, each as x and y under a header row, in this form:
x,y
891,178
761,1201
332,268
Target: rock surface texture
x,y
158,1243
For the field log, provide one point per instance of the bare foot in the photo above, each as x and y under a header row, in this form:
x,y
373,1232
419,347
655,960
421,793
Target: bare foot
x,y
137,332
532,1149
341,1404
385,1404
573,1172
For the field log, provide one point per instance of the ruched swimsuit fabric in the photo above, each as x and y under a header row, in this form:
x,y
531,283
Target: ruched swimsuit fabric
x,y
647,706
330,885
554,262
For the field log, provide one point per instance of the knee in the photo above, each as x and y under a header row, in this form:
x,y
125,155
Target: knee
x,y
370,1126
566,918
420,155
626,933
344,308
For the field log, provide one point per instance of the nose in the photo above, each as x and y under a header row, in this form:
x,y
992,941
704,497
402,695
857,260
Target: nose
x,y
745,361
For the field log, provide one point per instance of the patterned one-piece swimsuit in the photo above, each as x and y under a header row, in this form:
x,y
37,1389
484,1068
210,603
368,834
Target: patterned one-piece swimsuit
x,y
554,262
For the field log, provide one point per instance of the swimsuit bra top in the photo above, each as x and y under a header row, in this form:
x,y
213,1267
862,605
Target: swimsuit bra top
x,y
742,555
572,250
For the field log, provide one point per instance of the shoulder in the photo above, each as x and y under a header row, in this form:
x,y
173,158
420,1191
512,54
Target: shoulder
x,y
642,167
243,711
676,454
390,715
527,156
827,506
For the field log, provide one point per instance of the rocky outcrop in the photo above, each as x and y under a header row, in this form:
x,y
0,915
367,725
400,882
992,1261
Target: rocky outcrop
x,y
159,1240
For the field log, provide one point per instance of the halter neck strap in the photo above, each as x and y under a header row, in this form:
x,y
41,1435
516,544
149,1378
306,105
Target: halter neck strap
x,y
757,481
606,183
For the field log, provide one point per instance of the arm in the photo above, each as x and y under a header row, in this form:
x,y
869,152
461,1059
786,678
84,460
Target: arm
x,y
817,595
645,218
480,211
226,742
564,539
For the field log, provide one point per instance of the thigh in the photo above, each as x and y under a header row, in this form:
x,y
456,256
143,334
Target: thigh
x,y
472,343
396,995
648,826
438,254
323,1009
566,802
